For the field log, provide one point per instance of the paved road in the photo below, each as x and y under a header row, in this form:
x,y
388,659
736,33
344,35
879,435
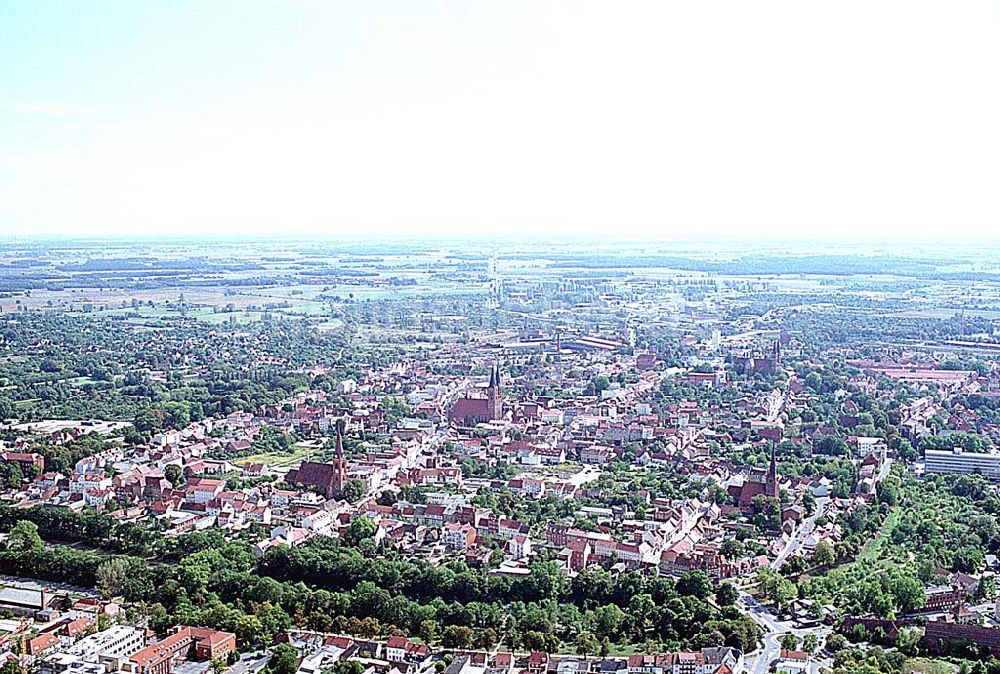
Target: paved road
x,y
801,532
249,663
588,474
759,662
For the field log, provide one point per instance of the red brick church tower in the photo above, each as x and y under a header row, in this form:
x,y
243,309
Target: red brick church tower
x,y
493,395
326,478
771,487
339,463
469,411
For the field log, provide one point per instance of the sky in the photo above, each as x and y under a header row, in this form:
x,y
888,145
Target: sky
x,y
667,119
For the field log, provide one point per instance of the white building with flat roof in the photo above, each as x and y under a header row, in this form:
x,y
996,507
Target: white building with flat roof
x,y
118,641
965,463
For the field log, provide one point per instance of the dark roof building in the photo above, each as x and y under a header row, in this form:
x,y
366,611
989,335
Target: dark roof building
x,y
757,484
327,478
470,411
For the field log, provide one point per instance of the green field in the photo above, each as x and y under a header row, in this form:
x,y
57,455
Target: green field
x,y
872,548
928,666
278,458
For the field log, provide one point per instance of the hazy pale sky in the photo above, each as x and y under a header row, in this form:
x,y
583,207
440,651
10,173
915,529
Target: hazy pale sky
x,y
702,117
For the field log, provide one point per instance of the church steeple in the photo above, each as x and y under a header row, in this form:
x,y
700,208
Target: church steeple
x,y
339,477
772,476
338,451
493,395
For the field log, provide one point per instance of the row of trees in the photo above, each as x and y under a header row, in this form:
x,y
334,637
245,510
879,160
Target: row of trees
x,y
325,585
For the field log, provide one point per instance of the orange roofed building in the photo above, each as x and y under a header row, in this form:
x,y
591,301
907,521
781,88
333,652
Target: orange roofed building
x,y
194,643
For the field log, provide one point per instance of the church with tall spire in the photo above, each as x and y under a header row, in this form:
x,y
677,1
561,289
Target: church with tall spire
x,y
327,478
472,410
771,481
758,483
493,395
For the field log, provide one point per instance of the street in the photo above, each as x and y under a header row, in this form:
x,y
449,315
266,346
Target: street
x,y
801,532
250,663
760,660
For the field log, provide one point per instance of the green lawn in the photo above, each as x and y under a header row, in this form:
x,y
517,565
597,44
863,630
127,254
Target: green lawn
x,y
278,458
928,666
622,650
871,549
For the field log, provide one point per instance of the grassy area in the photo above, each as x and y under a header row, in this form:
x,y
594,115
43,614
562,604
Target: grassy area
x,y
622,650
872,548
928,666
278,458
568,467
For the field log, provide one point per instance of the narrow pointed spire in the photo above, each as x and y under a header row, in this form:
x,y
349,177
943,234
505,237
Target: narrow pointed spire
x,y
772,476
338,450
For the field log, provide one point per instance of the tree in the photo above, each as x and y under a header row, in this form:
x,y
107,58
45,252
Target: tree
x,y
112,574
789,641
823,554
607,620
967,559
772,585
50,365
765,512
600,383
732,549
785,592
354,491
695,584
836,642
284,660
809,502
360,529
428,630
831,445
586,643
12,666
218,665
369,627
810,643
456,636
348,667
726,594
908,641
548,580
395,408
174,475
486,639
24,538
907,592
10,475
813,381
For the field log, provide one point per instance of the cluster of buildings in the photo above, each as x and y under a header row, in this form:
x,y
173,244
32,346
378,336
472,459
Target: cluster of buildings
x,y
399,655
85,638
559,420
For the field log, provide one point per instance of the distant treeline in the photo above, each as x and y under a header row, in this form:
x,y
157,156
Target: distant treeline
x,y
133,264
833,265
